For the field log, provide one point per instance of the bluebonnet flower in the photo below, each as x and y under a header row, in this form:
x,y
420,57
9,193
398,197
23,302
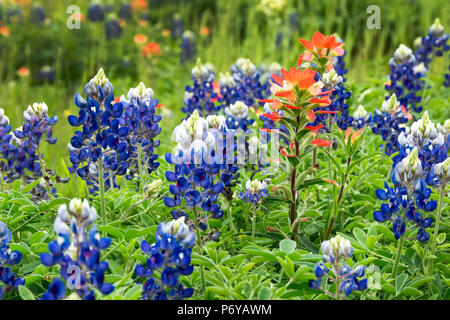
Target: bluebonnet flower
x,y
125,11
361,118
433,44
96,12
171,255
294,21
442,172
46,74
248,84
409,195
112,28
388,123
8,257
405,79
202,95
141,120
255,191
188,47
237,116
197,171
8,150
337,110
431,145
399,201
267,70
335,252
103,135
37,15
177,27
14,15
77,252
36,129
228,89
339,65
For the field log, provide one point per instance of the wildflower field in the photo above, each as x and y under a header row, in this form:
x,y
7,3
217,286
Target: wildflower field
x,y
224,150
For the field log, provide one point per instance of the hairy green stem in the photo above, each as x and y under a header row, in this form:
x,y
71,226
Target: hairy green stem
x,y
230,216
436,230
141,170
101,187
397,257
199,243
253,224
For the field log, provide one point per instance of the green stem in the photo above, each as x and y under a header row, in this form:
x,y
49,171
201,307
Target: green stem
x,y
339,198
44,172
436,230
230,217
397,257
199,243
253,224
101,186
141,170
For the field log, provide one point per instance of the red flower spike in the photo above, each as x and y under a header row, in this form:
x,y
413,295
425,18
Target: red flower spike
x,y
284,153
291,107
266,100
320,126
321,143
311,116
324,100
327,112
274,116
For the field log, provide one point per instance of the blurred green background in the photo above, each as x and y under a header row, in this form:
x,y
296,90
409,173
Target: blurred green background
x,y
35,35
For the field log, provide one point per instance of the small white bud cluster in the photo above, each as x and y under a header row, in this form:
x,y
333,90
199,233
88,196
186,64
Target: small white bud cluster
x,y
422,131
203,72
254,186
226,79
153,189
179,230
436,28
403,54
331,79
442,170
144,94
238,110
390,105
336,248
408,169
100,79
192,135
37,109
78,212
4,120
246,66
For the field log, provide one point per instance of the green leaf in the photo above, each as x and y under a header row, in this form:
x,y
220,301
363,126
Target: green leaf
x,y
30,186
112,231
419,281
271,199
264,293
389,288
441,238
410,291
400,282
360,236
385,231
133,293
287,245
25,293
199,260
